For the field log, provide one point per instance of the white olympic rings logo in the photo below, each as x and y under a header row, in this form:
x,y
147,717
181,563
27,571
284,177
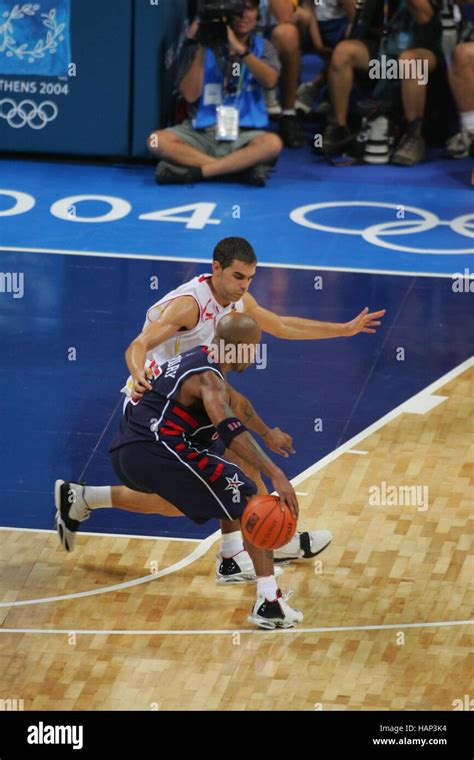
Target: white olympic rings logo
x,y
28,112
462,225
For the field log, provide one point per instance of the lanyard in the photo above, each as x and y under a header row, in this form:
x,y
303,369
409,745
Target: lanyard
x,y
225,85
238,90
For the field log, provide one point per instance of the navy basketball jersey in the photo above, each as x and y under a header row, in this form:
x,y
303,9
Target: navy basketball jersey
x,y
158,416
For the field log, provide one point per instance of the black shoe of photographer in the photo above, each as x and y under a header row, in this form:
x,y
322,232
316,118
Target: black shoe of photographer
x,y
336,139
291,131
171,174
256,176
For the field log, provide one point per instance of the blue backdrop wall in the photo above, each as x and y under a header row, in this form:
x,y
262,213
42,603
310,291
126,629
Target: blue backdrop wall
x,y
86,77
159,33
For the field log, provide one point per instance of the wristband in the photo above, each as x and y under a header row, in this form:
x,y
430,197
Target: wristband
x,y
229,428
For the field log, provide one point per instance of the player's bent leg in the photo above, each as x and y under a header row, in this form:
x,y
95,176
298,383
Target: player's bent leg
x,y
233,563
71,510
271,609
75,501
143,503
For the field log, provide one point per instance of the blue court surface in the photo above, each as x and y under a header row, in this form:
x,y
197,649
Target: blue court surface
x,y
382,237
389,218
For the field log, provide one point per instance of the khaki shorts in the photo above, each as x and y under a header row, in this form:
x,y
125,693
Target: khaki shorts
x,y
205,140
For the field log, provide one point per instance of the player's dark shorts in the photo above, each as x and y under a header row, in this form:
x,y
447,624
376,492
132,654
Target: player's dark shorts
x,y
199,483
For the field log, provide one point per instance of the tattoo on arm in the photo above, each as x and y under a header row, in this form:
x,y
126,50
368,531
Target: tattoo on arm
x,y
248,411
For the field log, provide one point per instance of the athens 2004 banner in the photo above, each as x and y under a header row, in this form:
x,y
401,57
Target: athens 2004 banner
x,y
35,37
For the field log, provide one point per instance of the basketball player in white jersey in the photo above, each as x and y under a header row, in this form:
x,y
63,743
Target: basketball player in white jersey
x,y
187,317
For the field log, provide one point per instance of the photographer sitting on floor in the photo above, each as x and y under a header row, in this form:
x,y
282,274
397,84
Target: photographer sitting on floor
x,y
222,82
407,32
461,79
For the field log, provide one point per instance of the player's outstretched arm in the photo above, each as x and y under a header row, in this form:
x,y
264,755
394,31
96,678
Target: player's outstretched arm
x,y
297,328
275,439
214,394
181,312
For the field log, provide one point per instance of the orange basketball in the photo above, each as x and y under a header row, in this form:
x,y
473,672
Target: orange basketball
x,y
264,523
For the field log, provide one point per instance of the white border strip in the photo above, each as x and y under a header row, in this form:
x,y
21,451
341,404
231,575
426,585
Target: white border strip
x,y
193,259
196,554
401,409
232,631
107,535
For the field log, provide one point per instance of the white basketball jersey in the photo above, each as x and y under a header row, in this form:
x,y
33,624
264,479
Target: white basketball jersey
x,y
210,312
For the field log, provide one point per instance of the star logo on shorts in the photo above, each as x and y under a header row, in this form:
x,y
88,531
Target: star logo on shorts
x,y
233,484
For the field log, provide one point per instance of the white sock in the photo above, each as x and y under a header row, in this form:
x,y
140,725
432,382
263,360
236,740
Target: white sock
x,y
98,497
231,544
288,112
267,587
467,121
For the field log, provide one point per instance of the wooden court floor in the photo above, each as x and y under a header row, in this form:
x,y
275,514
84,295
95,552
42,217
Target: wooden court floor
x,y
388,565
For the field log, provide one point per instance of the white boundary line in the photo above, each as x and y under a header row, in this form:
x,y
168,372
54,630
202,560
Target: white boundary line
x,y
196,554
352,443
232,631
107,535
192,259
204,545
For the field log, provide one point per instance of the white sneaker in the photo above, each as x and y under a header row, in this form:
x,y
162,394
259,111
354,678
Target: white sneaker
x,y
271,101
303,546
71,510
459,144
274,614
305,97
238,569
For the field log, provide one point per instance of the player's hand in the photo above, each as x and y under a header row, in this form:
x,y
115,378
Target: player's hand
x,y
279,442
286,492
364,322
141,384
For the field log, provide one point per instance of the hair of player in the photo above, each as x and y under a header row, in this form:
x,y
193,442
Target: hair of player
x,y
234,248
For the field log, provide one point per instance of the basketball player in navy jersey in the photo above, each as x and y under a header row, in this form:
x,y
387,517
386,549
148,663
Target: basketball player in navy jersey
x,y
188,317
162,456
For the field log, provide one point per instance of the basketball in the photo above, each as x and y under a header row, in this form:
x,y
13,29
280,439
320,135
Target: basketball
x,y
264,523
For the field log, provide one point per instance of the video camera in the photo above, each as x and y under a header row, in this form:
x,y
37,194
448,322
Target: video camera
x,y
214,15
